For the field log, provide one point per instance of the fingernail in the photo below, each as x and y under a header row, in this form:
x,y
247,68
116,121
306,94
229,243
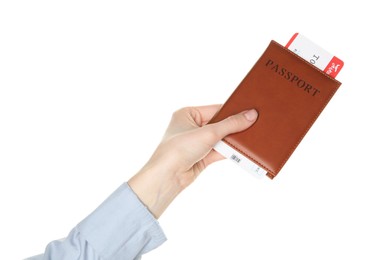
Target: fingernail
x,y
251,115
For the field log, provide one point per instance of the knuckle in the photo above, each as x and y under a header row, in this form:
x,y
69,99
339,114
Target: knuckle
x,y
233,121
180,111
212,135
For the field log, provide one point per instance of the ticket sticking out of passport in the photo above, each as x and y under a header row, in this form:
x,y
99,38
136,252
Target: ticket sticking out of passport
x,y
314,54
287,109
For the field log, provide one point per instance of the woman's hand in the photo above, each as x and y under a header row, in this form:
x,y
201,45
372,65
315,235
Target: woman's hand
x,y
184,152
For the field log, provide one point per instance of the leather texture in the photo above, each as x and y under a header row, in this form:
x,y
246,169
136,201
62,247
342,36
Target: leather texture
x,y
289,94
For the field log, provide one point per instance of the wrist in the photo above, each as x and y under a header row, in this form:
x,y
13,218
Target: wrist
x,y
156,187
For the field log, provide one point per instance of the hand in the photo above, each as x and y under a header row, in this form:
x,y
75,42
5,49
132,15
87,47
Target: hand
x,y
184,152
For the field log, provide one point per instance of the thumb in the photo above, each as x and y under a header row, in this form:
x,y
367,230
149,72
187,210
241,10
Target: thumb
x,y
235,123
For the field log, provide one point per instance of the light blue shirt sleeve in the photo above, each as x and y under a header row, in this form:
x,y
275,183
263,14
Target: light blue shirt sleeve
x,y
120,228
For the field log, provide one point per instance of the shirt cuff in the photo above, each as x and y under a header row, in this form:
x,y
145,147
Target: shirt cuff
x,y
122,227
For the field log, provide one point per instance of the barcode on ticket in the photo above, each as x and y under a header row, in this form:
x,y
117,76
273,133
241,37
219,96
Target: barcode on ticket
x,y
235,158
239,159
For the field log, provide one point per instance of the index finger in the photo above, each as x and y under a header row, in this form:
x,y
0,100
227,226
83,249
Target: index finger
x,y
206,113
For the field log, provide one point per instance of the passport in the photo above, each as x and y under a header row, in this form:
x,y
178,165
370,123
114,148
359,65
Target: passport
x,y
289,94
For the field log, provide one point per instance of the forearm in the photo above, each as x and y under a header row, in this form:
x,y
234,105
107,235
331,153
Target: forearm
x,y
120,228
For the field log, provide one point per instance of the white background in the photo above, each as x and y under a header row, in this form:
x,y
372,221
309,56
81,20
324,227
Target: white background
x,y
87,89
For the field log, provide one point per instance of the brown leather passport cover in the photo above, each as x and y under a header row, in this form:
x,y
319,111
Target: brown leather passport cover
x,y
289,94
